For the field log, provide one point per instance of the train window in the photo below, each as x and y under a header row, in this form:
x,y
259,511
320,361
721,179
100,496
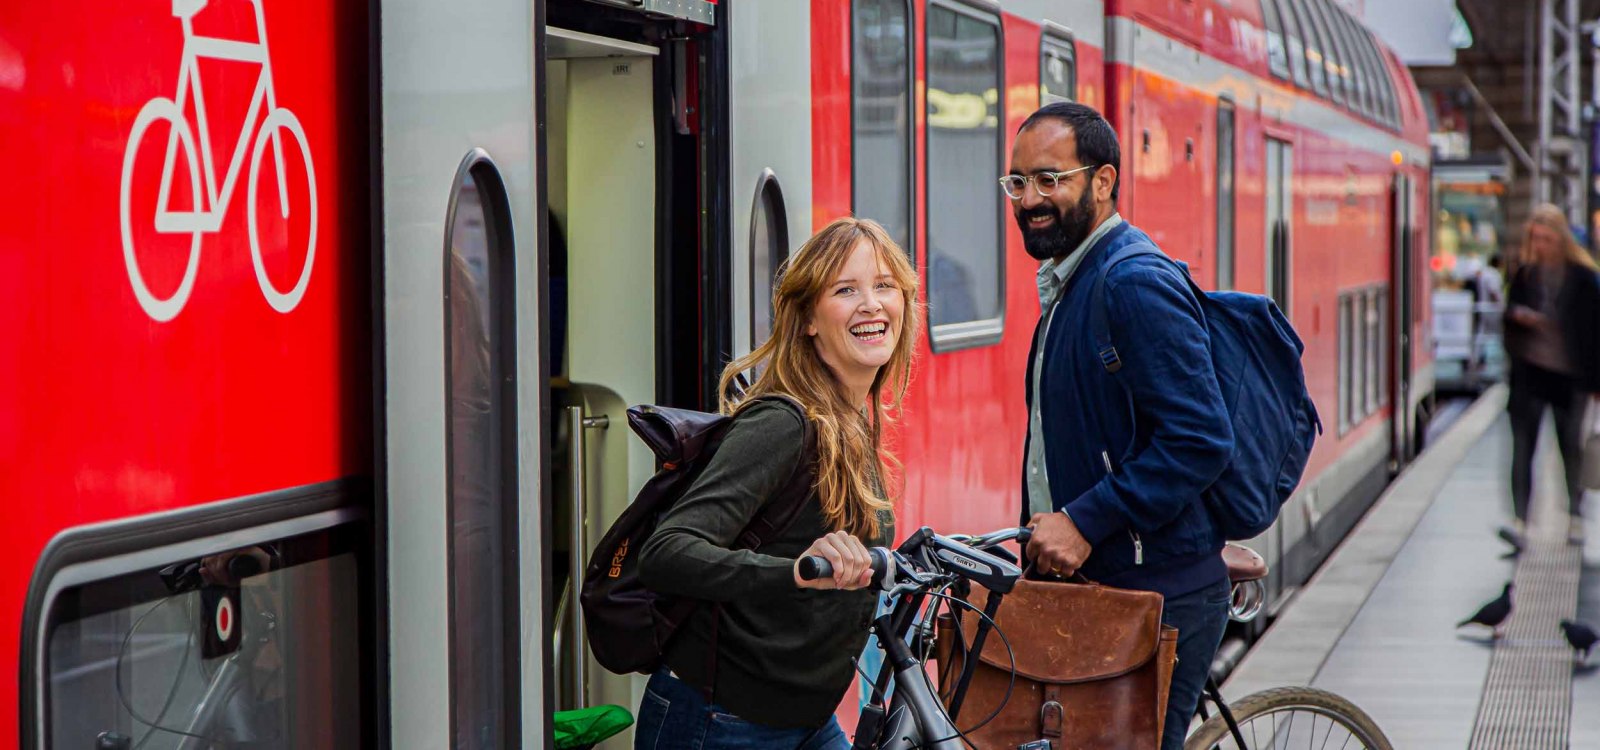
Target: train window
x,y
769,248
880,101
1370,314
1315,67
1330,54
1058,66
1277,57
1358,351
1383,346
259,641
1292,41
1386,99
966,237
480,457
1225,193
1279,223
1378,74
1357,61
1346,352
1352,93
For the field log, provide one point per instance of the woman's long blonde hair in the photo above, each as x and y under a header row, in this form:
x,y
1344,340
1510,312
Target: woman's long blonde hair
x,y
1550,217
854,471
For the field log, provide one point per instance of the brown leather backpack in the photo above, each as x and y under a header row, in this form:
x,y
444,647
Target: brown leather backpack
x,y
1093,667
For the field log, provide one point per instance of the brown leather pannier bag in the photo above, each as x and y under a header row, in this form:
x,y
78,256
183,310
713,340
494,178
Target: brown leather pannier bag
x,y
1093,667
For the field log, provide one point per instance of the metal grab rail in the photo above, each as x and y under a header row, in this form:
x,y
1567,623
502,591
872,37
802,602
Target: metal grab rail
x,y
572,644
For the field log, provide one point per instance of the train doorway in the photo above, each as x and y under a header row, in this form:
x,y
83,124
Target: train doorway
x,y
633,282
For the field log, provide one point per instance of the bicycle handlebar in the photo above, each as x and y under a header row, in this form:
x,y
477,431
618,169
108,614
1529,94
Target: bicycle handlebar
x,y
925,552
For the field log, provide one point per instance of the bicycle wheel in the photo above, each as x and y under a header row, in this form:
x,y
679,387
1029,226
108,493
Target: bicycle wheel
x,y
182,222
284,120
1288,719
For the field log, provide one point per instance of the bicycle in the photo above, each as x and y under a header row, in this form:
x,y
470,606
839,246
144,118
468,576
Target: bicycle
x,y
211,205
927,565
1226,730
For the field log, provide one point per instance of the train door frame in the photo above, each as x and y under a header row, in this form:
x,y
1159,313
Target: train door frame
x,y
691,333
1403,423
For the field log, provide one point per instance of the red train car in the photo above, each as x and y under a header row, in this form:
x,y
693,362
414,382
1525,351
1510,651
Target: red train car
x,y
312,384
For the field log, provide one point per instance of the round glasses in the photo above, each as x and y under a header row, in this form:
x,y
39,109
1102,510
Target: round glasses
x,y
1044,182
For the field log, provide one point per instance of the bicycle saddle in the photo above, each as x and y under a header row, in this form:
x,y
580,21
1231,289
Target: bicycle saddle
x,y
1244,564
187,8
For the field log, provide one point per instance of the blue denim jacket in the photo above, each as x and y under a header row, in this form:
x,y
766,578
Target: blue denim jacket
x,y
1129,454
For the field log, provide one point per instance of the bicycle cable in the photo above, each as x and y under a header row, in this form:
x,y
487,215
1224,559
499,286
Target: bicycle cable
x,y
1010,656
171,693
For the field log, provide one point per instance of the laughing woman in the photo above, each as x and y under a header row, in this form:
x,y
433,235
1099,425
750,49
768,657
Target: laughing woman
x,y
768,664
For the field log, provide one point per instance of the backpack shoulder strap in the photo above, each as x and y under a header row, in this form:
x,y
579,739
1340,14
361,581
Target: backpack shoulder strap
x,y
779,512
1097,303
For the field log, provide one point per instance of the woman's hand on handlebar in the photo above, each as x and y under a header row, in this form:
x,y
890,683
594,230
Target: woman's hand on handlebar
x,y
852,564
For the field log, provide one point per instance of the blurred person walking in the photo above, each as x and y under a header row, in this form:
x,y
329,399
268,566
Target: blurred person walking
x,y
1552,335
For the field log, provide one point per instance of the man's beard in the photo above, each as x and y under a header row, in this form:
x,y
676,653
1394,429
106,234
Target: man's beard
x,y
1061,237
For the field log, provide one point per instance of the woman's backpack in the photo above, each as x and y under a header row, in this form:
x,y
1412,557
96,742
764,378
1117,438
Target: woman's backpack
x,y
1256,355
628,624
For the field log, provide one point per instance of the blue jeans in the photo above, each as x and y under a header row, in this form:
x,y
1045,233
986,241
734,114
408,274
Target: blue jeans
x,y
1200,617
675,716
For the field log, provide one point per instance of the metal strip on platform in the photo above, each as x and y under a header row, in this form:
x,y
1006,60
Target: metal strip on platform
x,y
1527,697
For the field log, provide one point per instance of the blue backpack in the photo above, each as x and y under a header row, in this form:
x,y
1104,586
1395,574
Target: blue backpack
x,y
1256,354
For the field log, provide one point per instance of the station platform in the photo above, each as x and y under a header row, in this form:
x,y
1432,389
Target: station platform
x,y
1377,624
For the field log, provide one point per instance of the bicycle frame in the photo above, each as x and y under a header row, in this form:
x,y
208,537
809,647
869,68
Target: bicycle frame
x,y
264,99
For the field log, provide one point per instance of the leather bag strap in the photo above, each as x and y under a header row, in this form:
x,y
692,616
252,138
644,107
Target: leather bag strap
x,y
1051,714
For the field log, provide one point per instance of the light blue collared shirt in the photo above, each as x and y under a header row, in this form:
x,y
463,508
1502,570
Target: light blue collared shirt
x,y
1052,278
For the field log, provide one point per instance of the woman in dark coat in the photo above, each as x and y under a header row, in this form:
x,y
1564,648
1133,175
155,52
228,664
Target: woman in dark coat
x,y
1552,334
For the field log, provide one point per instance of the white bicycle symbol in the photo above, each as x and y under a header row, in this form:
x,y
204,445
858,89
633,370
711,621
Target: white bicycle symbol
x,y
207,217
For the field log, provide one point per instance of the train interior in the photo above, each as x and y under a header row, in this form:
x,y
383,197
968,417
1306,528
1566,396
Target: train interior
x,y
623,174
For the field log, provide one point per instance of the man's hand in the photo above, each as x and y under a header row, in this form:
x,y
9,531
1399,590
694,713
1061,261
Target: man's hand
x,y
1057,548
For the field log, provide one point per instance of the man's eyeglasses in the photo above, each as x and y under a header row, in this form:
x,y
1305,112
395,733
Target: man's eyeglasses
x,y
1044,182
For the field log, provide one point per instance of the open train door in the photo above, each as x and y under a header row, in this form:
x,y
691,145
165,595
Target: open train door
x,y
1404,440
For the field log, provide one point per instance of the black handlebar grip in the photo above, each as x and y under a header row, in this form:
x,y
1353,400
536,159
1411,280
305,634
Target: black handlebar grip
x,y
813,567
243,566
1024,535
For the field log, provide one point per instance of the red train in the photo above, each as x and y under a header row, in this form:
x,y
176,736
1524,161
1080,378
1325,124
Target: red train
x,y
323,316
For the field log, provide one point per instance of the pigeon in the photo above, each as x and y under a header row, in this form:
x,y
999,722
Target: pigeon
x,y
1492,614
1581,636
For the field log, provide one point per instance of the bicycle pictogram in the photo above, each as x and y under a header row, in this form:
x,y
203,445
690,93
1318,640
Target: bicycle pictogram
x,y
211,206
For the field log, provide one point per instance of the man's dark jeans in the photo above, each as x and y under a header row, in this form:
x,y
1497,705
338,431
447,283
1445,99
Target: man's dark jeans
x,y
1200,617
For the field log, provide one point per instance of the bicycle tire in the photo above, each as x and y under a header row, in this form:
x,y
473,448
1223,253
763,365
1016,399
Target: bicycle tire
x,y
1342,713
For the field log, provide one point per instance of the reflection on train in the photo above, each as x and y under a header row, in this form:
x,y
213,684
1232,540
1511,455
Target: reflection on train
x,y
523,217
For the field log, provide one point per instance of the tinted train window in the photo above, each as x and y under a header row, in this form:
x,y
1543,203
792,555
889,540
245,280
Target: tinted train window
x,y
1293,40
1058,68
480,502
273,633
965,234
880,96
1356,60
1277,57
769,248
1386,104
1225,194
1315,63
1346,348
1330,54
1373,327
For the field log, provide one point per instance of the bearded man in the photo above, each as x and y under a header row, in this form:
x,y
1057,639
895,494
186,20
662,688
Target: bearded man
x,y
1119,448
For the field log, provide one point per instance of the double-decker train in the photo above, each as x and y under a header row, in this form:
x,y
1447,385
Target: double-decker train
x,y
323,316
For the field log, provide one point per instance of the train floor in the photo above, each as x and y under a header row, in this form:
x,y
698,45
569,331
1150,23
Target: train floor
x,y
1377,624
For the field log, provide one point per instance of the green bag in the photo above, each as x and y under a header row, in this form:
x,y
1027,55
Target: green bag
x,y
583,728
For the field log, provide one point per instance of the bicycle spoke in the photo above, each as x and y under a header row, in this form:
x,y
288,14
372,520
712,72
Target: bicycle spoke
x,y
1329,735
